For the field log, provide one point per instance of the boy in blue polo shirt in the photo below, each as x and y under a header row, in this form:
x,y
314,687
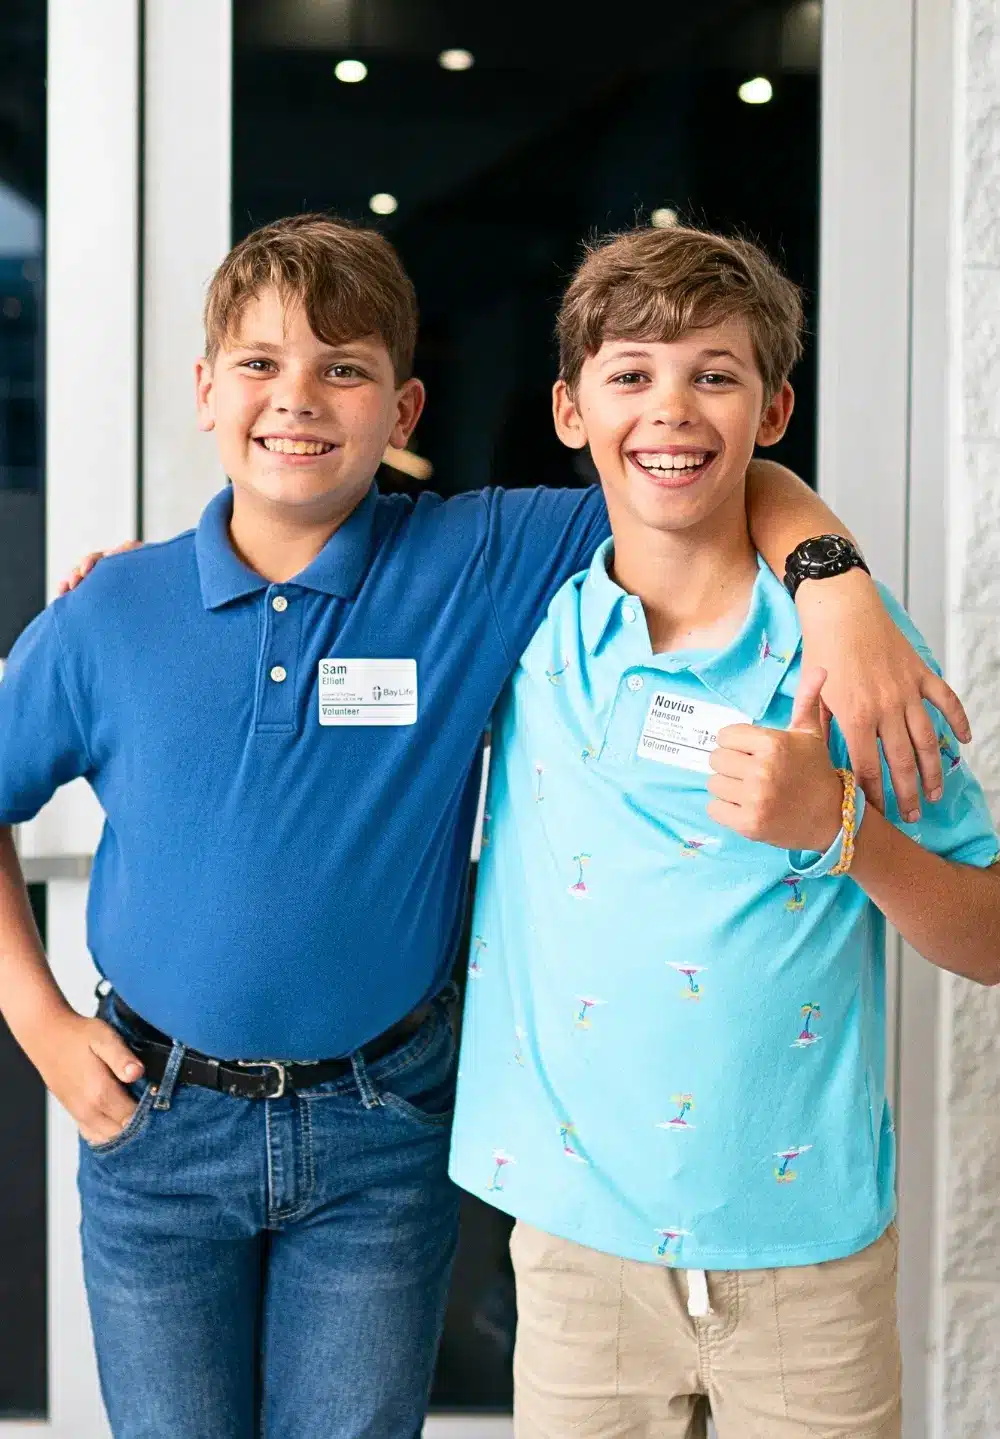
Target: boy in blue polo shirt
x,y
673,1054
281,713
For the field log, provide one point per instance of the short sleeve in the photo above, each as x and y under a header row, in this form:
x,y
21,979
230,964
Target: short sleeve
x,y
41,743
958,826
535,541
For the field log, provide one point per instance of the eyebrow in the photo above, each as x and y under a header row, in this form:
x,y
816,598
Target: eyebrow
x,y
722,355
350,348
620,355
642,354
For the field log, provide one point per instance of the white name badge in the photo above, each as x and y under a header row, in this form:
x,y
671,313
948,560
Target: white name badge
x,y
684,732
367,692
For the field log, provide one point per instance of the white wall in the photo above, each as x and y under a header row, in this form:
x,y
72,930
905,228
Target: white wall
x,y
967,1399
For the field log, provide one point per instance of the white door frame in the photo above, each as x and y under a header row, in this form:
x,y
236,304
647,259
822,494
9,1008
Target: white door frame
x,y
887,206
91,382
126,274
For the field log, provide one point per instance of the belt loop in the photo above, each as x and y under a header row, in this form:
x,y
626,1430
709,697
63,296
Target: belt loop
x,y
369,1095
168,1083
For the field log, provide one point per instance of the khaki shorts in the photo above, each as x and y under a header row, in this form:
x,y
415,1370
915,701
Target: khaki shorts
x,y
607,1346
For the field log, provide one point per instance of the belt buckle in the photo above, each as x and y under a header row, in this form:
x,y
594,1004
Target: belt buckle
x,y
278,1065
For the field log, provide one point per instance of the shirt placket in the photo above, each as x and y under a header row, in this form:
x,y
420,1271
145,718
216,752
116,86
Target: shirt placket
x,y
280,659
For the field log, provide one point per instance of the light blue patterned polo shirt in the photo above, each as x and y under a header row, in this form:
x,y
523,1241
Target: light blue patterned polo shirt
x,y
673,1044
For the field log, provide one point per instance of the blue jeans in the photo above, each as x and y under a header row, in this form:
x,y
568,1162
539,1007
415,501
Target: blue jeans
x,y
276,1267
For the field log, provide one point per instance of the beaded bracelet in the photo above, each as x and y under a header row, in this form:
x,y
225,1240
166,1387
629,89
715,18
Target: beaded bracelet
x,y
849,821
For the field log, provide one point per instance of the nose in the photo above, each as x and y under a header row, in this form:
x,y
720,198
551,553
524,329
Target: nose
x,y
296,394
672,406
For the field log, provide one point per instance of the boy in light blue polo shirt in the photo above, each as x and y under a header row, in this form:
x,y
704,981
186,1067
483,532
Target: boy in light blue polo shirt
x,y
673,1055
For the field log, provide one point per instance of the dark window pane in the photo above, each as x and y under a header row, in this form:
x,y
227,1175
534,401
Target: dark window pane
x,y
23,1379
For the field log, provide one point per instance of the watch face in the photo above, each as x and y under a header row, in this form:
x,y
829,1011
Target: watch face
x,y
824,550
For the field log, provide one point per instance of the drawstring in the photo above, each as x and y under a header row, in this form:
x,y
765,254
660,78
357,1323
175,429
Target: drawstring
x,y
699,1305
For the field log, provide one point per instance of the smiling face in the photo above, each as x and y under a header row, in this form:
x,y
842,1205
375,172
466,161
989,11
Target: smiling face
x,y
672,426
302,425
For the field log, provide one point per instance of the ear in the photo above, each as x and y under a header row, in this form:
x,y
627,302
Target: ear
x,y
410,398
203,384
774,421
567,418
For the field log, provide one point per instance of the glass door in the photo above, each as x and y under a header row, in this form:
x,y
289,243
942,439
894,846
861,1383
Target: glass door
x,y
488,146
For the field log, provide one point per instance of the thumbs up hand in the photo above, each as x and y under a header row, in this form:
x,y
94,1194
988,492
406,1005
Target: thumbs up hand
x,y
780,786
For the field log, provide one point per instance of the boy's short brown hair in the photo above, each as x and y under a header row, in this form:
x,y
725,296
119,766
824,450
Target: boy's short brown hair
x,y
350,282
657,285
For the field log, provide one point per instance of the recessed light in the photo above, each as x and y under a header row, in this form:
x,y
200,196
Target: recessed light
x,y
350,71
756,92
663,218
383,203
456,59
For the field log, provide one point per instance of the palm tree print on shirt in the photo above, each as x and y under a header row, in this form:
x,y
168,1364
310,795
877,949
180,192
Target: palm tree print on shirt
x,y
475,966
949,754
519,1038
586,1003
691,848
685,1103
579,887
567,1137
692,990
807,1035
782,1173
554,677
500,1161
767,653
669,1243
796,900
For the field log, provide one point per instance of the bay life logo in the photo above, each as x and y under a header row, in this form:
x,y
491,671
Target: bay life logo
x,y
377,693
665,704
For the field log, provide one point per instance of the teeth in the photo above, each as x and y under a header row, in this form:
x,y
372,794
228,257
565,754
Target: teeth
x,y
671,462
296,447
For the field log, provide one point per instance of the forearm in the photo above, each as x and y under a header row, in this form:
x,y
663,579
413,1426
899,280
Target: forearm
x,y
782,511
949,913
29,995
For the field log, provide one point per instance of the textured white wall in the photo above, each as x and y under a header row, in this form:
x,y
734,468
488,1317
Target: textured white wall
x,y
969,1173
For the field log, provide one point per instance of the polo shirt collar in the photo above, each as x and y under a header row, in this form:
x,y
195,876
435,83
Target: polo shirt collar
x,y
600,598
337,570
747,673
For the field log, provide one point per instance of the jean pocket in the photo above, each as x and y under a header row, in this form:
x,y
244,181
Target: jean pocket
x,y
422,1088
137,1124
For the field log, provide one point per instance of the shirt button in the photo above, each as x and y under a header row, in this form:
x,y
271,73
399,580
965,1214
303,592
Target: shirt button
x,y
628,614
279,674
634,682
280,604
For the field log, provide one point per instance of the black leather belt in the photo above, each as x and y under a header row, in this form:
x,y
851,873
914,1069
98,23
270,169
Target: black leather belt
x,y
247,1079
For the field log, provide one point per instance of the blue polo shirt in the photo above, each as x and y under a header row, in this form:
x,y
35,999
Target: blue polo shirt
x,y
673,1044
290,772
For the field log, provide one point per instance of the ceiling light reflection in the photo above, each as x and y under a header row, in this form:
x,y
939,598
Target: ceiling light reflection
x,y
351,72
383,203
756,92
456,60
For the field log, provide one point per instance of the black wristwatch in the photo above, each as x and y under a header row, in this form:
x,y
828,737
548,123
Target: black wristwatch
x,y
821,558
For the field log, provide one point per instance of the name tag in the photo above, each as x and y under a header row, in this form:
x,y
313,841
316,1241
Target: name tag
x,y
684,732
367,692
